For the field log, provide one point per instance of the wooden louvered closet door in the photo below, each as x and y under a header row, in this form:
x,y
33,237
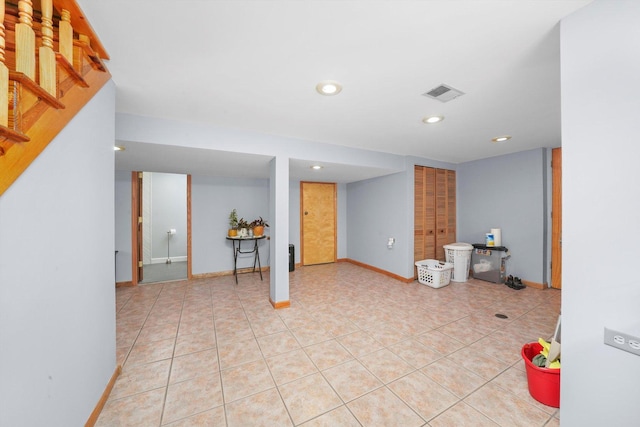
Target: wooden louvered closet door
x,y
434,212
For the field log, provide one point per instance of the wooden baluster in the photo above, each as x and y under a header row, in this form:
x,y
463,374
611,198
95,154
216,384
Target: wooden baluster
x,y
85,39
65,36
25,40
46,54
4,74
79,55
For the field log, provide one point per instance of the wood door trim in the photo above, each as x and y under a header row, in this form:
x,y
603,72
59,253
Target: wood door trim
x,y
135,213
135,191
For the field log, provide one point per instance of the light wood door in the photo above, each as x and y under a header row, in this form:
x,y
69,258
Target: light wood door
x,y
424,214
445,191
556,218
434,212
318,222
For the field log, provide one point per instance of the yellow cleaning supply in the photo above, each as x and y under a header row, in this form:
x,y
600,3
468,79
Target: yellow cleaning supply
x,y
555,364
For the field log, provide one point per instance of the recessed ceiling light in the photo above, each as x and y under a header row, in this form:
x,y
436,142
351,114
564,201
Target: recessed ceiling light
x,y
503,138
433,119
316,167
118,148
328,88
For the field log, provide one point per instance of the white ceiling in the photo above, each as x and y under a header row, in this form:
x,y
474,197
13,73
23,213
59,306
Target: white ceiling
x,y
254,65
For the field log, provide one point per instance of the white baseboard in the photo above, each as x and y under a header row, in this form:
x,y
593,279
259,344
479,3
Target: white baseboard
x,y
173,259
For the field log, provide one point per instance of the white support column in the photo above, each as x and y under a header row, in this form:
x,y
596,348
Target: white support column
x,y
279,243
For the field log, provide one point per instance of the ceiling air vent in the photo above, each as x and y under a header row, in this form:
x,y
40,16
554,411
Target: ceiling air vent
x,y
443,93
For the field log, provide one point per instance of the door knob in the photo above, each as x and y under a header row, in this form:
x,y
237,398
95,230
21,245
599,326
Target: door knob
x,y
306,213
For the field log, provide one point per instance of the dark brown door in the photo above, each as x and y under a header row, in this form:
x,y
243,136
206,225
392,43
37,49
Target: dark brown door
x,y
318,222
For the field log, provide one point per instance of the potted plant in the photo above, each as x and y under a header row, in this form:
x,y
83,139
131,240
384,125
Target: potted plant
x,y
258,226
242,227
233,223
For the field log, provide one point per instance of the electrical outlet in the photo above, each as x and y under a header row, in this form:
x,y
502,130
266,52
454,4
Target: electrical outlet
x,y
622,341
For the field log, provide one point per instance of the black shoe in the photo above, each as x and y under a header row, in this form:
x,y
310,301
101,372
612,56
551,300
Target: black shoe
x,y
517,284
509,281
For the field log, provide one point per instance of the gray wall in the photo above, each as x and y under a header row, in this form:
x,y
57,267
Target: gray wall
x,y
57,297
600,285
168,210
508,192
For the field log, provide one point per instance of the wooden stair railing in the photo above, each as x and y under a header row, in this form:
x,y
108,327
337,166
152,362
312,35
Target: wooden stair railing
x,y
51,65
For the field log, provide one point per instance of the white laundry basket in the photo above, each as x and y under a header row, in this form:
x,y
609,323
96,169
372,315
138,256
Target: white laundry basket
x,y
459,254
434,273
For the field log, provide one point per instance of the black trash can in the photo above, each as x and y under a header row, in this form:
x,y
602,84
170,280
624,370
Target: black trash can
x,y
292,258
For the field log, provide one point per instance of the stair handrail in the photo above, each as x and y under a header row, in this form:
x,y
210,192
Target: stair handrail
x,y
65,74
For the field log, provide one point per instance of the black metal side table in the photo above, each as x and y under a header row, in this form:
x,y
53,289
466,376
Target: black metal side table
x,y
237,249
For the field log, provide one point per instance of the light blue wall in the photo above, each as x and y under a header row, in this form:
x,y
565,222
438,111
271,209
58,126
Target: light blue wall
x,y
381,208
601,225
508,192
123,226
172,132
294,217
376,212
342,221
168,210
212,198
57,293
205,258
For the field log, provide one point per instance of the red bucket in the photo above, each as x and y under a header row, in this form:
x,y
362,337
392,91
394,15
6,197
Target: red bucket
x,y
544,383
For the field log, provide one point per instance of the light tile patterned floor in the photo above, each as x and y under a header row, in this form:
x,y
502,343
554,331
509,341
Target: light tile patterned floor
x,y
356,348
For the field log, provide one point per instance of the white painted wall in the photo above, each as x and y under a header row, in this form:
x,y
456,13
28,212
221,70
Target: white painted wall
x,y
168,211
57,294
601,225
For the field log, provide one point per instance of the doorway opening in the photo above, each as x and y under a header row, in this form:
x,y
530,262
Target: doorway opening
x,y
162,242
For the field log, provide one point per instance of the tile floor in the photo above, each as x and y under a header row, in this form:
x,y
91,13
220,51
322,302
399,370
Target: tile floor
x,y
356,348
177,270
